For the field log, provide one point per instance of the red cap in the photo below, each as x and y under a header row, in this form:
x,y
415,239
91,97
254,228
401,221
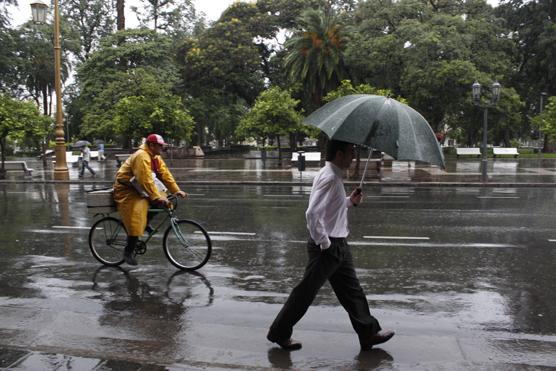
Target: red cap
x,y
155,138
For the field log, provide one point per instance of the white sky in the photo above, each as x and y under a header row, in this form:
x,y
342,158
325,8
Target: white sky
x,y
212,9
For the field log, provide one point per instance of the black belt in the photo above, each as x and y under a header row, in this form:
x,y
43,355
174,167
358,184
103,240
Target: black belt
x,y
337,239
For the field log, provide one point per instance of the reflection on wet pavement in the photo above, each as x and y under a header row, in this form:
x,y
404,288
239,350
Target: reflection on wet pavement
x,y
479,290
522,170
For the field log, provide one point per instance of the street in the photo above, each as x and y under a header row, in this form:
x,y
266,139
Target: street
x,y
465,276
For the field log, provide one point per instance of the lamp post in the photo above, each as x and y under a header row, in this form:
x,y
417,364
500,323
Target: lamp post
x,y
495,96
38,10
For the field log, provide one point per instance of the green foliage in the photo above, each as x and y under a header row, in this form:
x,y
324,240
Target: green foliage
x,y
273,114
35,65
17,118
347,88
134,63
221,74
546,121
134,104
136,116
173,17
532,27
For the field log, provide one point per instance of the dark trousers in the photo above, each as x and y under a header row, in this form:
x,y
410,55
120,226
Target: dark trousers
x,y
85,164
335,265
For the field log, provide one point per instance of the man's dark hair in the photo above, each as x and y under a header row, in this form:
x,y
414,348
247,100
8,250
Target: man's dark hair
x,y
334,146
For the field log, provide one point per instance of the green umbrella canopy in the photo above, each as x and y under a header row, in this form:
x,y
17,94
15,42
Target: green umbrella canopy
x,y
381,123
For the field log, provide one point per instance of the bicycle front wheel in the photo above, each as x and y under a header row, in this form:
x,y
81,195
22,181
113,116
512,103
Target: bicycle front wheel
x,y
107,240
187,245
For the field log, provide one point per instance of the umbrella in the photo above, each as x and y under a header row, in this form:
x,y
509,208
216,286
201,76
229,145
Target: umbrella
x,y
81,143
381,123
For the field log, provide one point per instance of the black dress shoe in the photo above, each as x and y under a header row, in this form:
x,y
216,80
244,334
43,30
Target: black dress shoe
x,y
289,344
378,338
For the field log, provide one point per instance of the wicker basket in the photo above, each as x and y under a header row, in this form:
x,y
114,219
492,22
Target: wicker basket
x,y
101,201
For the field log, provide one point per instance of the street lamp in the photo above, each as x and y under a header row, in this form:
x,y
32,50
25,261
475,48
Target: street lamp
x,y
38,10
495,96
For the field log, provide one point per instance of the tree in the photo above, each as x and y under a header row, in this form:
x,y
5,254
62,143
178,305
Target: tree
x,y
315,55
158,112
16,119
346,88
134,104
221,76
36,63
273,115
91,20
174,17
546,120
532,28
431,53
125,65
120,15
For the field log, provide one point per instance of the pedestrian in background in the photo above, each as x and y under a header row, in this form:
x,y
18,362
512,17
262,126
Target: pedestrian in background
x,y
85,158
101,152
329,257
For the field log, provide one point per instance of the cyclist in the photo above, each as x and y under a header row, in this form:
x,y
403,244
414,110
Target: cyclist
x,y
136,187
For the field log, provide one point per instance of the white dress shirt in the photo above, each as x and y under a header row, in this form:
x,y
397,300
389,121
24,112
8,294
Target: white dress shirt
x,y
328,204
86,154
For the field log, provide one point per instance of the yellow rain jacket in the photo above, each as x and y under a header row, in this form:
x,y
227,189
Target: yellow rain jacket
x,y
132,207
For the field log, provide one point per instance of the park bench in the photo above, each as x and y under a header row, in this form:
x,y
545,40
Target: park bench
x,y
121,157
309,156
501,151
474,151
17,166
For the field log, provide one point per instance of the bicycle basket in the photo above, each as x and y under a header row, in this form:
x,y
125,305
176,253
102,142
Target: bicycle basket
x,y
101,201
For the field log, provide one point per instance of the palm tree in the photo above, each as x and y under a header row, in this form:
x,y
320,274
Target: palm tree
x,y
315,54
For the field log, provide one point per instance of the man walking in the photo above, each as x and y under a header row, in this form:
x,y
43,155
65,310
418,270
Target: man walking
x,y
85,158
329,257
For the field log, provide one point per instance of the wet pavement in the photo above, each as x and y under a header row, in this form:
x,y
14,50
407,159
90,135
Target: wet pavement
x,y
465,276
524,171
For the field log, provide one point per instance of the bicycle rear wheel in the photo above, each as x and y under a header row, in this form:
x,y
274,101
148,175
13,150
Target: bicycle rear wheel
x,y
107,240
187,245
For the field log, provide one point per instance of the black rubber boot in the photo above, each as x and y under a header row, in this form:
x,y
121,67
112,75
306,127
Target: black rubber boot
x,y
130,250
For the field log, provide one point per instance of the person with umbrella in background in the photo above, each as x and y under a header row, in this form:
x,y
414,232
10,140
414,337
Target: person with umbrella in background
x,y
137,186
85,158
100,145
329,257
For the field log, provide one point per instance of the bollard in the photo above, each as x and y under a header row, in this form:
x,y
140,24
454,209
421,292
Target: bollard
x,y
301,161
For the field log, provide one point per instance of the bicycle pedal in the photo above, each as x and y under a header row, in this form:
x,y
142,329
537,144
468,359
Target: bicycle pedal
x,y
140,248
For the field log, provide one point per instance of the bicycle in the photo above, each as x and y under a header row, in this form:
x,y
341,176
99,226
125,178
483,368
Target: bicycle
x,y
186,243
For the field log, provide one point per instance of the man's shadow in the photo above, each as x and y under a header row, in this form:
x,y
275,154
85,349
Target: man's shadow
x,y
280,358
371,359
365,360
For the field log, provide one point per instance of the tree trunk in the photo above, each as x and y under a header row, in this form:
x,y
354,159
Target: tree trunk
x,y
356,169
3,155
322,144
279,150
120,7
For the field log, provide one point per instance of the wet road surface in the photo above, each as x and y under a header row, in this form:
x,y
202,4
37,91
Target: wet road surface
x,y
465,276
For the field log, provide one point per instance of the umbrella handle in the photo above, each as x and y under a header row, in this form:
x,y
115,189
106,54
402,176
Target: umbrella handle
x,y
365,171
